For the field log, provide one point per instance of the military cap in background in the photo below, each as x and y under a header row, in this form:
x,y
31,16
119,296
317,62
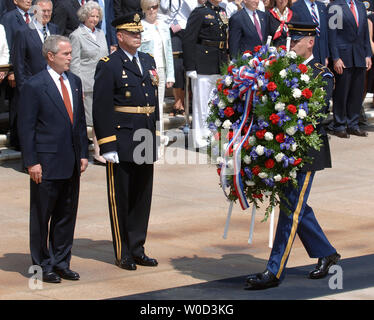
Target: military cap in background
x,y
299,30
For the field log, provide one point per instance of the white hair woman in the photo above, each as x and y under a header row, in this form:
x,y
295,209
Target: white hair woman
x,y
89,46
156,41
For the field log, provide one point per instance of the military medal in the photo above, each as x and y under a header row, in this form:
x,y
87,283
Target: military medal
x,y
223,16
154,77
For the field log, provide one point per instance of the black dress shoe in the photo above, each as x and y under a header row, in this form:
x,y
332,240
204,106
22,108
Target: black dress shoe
x,y
358,132
323,266
126,263
261,281
340,134
145,261
67,274
51,277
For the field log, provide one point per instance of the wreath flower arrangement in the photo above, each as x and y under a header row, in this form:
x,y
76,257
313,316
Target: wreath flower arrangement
x,y
263,115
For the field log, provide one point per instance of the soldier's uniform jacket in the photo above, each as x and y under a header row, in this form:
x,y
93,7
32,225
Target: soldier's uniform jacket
x,y
321,158
118,84
205,40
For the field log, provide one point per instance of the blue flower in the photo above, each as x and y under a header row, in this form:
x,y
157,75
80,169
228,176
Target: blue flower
x,y
248,172
282,118
269,182
304,106
300,125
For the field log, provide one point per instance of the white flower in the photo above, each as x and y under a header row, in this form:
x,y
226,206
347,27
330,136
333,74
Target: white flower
x,y
272,49
227,124
283,73
250,63
267,193
279,106
217,123
293,147
260,83
301,114
269,136
291,54
278,177
291,130
263,175
296,93
267,63
220,160
230,164
293,174
228,81
264,99
230,99
247,159
260,150
249,183
221,104
279,156
305,78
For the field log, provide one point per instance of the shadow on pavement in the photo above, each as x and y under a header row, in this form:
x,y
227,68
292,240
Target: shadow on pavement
x,y
357,274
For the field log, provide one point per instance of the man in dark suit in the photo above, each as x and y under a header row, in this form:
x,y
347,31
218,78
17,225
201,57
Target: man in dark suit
x,y
351,53
65,15
301,219
125,112
122,7
106,23
27,54
53,136
247,28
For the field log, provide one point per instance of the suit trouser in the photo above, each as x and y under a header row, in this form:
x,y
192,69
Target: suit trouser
x,y
53,203
201,91
129,196
347,98
301,221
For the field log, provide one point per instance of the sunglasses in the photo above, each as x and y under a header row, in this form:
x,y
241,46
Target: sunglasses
x,y
155,7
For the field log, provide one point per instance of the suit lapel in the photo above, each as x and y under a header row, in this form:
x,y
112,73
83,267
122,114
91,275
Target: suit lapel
x,y
87,36
35,37
128,64
75,96
55,96
349,15
248,22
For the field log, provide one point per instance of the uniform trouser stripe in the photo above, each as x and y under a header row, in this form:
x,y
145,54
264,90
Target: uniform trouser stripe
x,y
295,222
113,210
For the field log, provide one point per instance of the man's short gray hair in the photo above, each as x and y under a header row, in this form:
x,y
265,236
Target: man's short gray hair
x,y
85,11
37,1
51,44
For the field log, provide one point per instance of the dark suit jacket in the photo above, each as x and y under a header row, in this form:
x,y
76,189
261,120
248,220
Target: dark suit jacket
x,y
321,44
26,53
243,34
122,7
65,16
350,43
45,131
110,32
12,22
119,83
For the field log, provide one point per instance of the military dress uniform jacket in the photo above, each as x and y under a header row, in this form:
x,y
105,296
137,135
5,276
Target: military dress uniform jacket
x,y
118,84
205,40
321,158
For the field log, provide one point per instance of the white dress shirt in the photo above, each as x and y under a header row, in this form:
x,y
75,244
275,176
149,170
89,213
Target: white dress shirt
x,y
56,78
136,57
4,50
39,27
251,13
178,12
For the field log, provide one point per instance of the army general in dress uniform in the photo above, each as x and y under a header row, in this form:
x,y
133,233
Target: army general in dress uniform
x,y
125,112
204,52
302,220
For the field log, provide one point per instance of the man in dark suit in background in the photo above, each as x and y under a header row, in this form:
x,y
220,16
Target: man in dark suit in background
x,y
247,28
122,7
53,136
312,11
26,53
106,23
65,15
351,53
5,6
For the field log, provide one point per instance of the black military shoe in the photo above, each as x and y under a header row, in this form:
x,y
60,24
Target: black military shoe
x,y
145,261
323,266
126,263
51,277
67,274
261,281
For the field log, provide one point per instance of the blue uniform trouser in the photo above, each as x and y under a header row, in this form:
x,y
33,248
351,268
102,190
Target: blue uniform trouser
x,y
300,220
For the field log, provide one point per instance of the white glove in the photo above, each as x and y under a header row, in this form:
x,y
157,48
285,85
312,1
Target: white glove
x,y
164,139
191,74
111,156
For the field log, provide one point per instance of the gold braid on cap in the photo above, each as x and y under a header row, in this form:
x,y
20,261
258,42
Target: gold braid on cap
x,y
131,27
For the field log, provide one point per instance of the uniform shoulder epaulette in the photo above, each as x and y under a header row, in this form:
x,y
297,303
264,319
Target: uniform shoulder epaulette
x,y
151,55
324,71
105,59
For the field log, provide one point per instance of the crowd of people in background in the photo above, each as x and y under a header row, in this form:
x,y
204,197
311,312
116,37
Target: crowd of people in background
x,y
174,34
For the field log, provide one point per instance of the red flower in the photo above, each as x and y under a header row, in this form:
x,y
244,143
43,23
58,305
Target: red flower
x,y
260,134
256,170
269,163
246,145
307,93
284,180
226,92
229,69
229,112
219,171
308,129
247,51
229,135
274,118
279,137
257,195
242,172
268,75
297,161
283,47
219,87
291,108
303,68
257,48
271,86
